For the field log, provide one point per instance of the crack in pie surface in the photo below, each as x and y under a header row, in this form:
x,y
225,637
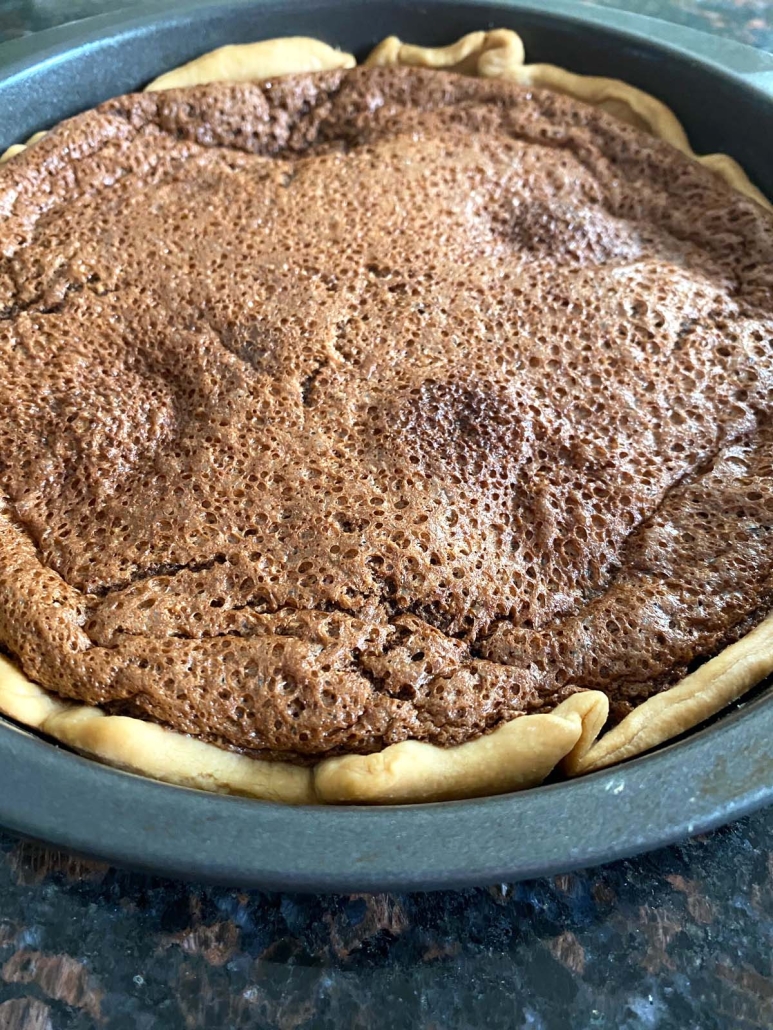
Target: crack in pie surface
x,y
441,414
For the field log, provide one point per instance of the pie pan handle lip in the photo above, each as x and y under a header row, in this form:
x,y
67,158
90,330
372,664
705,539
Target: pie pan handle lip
x,y
690,786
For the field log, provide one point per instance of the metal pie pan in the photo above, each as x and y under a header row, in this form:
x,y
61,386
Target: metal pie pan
x,y
716,774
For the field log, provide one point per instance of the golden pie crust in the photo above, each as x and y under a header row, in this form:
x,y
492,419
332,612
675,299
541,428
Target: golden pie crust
x,y
520,753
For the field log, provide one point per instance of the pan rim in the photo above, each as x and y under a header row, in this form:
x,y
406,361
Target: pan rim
x,y
54,795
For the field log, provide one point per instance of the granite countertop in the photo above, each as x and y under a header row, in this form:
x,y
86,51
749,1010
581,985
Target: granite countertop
x,y
681,938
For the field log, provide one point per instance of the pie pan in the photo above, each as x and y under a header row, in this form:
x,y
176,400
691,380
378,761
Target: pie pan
x,y
714,775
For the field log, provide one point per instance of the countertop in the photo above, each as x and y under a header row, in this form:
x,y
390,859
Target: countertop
x,y
681,938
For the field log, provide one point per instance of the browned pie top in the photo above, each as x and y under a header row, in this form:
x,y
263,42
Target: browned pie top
x,y
376,404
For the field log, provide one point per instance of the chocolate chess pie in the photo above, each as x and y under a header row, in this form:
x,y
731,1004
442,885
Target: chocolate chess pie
x,y
381,434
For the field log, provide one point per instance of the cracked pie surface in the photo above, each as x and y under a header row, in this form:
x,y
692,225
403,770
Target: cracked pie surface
x,y
379,434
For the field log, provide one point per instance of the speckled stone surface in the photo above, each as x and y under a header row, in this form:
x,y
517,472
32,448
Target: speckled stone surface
x,y
681,938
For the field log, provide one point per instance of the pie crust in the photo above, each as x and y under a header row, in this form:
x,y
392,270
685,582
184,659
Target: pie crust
x,y
520,753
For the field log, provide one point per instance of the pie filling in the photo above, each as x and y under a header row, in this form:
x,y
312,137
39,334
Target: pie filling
x,y
376,405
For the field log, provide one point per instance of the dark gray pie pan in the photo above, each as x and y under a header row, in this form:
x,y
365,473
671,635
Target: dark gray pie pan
x,y
723,92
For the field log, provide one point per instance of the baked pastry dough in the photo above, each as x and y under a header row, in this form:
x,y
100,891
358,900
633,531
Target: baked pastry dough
x,y
520,753
248,62
149,749
500,54
517,755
